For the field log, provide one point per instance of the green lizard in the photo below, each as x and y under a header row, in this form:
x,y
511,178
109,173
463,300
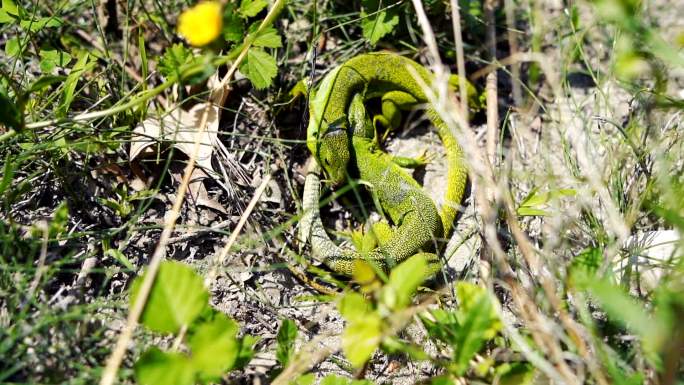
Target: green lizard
x,y
340,133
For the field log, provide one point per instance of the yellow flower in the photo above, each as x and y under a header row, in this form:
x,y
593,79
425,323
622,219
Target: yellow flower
x,y
201,24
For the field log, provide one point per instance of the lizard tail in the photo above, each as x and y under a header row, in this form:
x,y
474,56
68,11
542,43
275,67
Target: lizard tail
x,y
457,174
311,229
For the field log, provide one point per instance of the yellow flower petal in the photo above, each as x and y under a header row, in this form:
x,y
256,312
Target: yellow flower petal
x,y
201,24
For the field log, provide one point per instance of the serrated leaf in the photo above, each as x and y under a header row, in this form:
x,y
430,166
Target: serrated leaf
x,y
177,297
376,22
259,67
178,57
215,347
287,333
156,367
269,38
250,8
403,282
173,58
233,25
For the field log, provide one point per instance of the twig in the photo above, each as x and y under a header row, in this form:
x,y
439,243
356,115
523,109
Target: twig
x,y
40,268
203,230
460,60
218,261
509,8
491,85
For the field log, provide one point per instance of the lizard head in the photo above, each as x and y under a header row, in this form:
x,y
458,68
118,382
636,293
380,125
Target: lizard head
x,y
332,153
329,144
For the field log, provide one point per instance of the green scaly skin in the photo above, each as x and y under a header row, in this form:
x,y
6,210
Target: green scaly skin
x,y
336,139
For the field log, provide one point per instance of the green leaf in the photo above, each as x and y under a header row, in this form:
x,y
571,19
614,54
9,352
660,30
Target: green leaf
x,y
215,347
233,25
6,17
52,58
10,114
177,297
287,334
121,257
631,313
10,8
532,212
173,58
478,323
515,373
82,65
299,89
45,81
306,379
13,47
7,174
393,345
60,220
250,8
269,38
468,328
353,306
585,266
534,201
376,25
441,380
246,351
332,379
156,367
361,337
403,282
35,25
259,67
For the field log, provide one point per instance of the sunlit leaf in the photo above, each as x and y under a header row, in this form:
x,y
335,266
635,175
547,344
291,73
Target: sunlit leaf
x,y
156,367
177,297
214,346
287,333
259,67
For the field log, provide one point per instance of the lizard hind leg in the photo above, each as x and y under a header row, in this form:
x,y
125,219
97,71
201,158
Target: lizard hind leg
x,y
393,102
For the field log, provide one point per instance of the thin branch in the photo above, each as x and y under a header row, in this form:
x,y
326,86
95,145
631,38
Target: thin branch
x,y
460,60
